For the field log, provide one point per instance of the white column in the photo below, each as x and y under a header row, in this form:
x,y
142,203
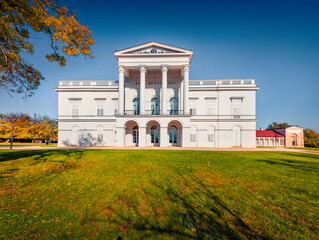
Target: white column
x,y
121,91
186,89
142,90
142,136
163,137
164,89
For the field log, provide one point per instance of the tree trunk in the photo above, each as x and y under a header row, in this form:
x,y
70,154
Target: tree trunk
x,y
11,136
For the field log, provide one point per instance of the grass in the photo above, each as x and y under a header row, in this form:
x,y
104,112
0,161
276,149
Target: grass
x,y
135,194
30,144
305,148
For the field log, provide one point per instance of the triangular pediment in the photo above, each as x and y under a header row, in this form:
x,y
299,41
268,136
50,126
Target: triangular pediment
x,y
153,48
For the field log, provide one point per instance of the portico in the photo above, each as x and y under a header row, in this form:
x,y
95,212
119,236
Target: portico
x,y
161,60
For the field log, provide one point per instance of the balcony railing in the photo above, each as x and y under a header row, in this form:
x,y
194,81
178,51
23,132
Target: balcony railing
x,y
153,112
222,83
88,83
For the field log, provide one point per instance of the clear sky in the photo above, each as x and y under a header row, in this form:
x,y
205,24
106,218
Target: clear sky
x,y
274,42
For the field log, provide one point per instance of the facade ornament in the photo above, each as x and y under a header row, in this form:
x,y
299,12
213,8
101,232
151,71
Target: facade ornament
x,y
186,68
121,69
164,68
142,69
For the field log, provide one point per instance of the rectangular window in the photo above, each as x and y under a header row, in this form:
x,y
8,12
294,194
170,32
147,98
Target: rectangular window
x,y
211,107
116,107
75,108
193,137
236,105
100,108
100,137
210,138
192,107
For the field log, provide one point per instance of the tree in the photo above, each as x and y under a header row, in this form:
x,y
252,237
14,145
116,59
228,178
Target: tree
x,y
21,18
14,125
278,125
311,138
43,128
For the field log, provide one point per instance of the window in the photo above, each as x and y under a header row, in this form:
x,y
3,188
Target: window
x,y
100,137
116,107
211,107
155,105
210,137
100,108
135,135
75,108
173,106
236,136
192,107
154,134
136,106
193,137
236,105
172,132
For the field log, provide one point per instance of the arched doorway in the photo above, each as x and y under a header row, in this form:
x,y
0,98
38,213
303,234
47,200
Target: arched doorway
x,y
294,141
155,106
237,136
153,133
175,133
136,106
131,133
173,103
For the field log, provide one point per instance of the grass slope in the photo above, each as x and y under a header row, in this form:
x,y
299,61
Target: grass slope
x,y
123,194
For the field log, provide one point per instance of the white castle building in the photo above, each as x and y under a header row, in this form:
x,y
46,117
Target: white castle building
x,y
154,103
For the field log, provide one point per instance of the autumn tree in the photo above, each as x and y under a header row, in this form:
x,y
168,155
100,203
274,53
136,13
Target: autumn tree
x,y
311,138
19,20
43,128
278,125
14,125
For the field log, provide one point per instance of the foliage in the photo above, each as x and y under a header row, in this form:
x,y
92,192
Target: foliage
x,y
21,123
311,138
19,19
278,125
26,127
140,194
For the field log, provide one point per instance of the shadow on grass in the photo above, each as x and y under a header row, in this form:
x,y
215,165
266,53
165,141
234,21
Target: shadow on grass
x,y
195,212
41,155
309,166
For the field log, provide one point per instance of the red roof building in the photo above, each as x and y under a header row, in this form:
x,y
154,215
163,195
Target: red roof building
x,y
269,138
268,133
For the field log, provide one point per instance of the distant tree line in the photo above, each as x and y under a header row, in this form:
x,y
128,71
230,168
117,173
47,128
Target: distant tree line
x,y
23,127
311,137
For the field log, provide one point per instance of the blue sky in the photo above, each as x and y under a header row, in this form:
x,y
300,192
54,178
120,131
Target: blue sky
x,y
274,42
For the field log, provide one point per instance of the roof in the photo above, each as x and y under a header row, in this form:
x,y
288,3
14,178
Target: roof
x,y
268,133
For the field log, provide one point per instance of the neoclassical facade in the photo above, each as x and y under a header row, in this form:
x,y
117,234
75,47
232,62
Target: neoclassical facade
x,y
154,103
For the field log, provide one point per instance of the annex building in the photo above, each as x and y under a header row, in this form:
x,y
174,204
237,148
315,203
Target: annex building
x,y
154,103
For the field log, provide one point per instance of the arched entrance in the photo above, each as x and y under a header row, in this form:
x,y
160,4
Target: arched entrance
x,y
131,133
174,133
153,133
294,141
236,136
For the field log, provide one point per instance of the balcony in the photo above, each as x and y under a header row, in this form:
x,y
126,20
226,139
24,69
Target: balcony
x,y
153,112
223,83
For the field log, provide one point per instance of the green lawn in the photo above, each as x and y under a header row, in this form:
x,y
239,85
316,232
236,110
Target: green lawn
x,y
30,144
136,194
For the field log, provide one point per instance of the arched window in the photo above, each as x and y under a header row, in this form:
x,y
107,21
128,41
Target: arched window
x,y
173,106
135,135
237,136
155,105
155,134
172,132
136,106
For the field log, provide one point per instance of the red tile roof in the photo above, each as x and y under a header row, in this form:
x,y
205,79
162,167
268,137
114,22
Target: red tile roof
x,y
268,133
